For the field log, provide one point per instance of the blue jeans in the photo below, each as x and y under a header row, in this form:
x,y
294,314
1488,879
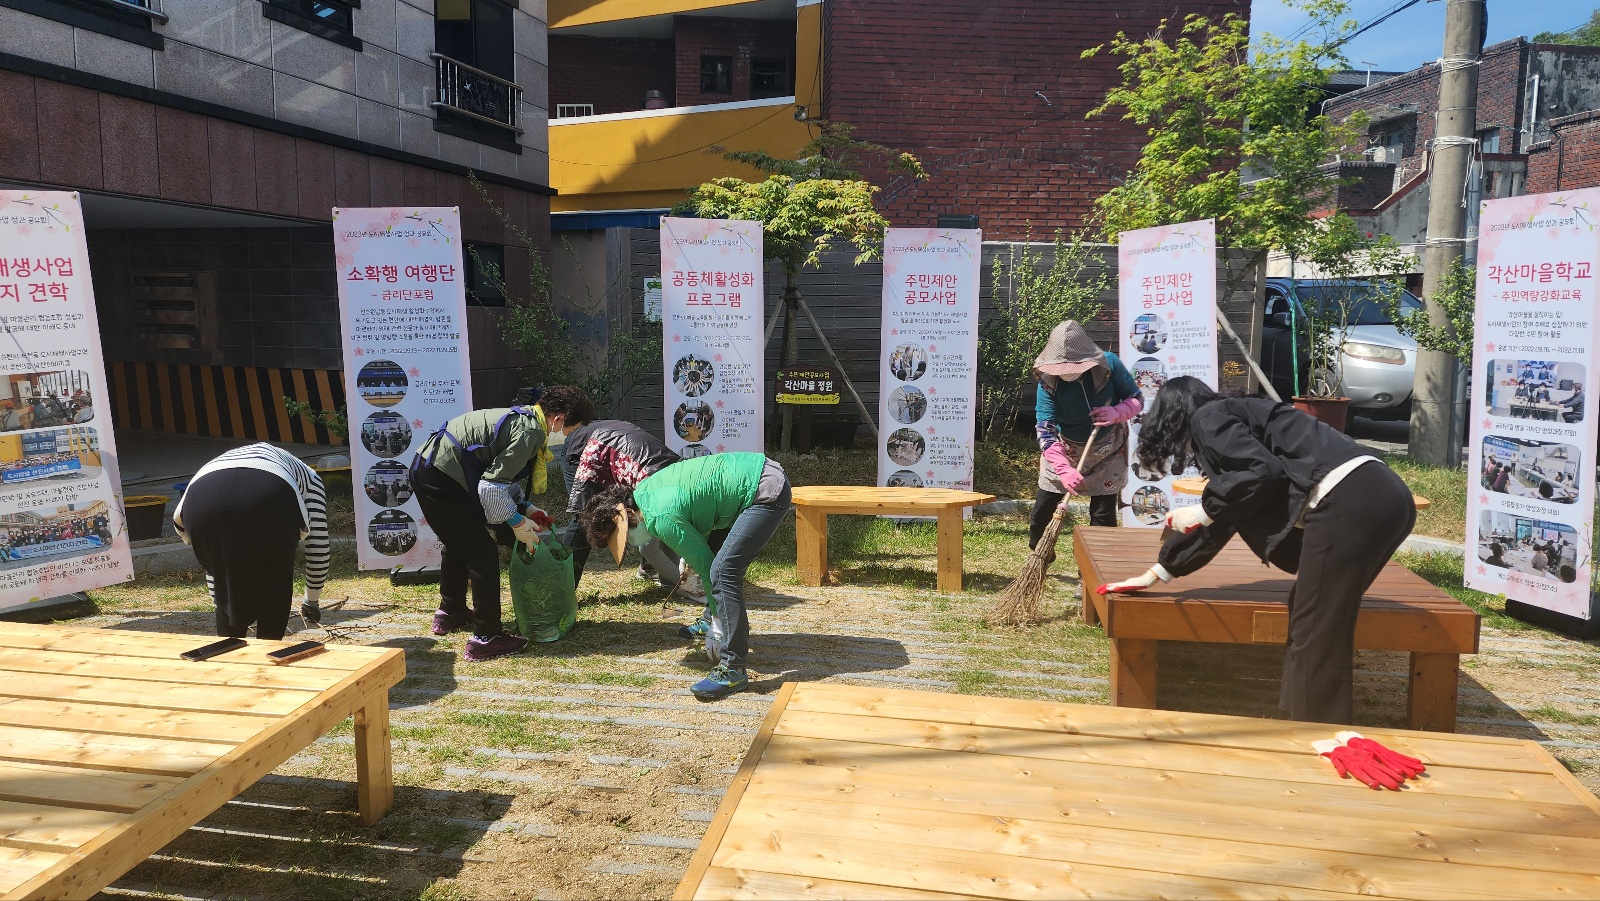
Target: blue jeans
x,y
746,540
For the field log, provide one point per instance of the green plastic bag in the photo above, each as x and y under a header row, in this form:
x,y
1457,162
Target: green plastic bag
x,y
543,591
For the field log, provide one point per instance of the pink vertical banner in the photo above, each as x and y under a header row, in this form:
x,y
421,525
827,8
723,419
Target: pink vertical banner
x,y
713,348
403,303
62,527
927,388
1167,299
1531,491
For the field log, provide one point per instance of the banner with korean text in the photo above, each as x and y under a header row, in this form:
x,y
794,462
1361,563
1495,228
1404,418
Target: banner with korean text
x,y
927,387
62,527
713,348
1167,295
403,302
1531,492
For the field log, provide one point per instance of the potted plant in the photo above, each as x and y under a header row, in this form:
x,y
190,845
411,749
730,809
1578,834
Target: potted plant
x,y
1328,324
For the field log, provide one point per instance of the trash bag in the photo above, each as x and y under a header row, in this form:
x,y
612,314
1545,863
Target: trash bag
x,y
544,595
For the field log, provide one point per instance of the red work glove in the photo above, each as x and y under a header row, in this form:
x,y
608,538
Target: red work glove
x,y
1071,478
1360,765
1409,767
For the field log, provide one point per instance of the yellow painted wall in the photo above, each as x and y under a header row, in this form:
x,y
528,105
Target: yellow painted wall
x,y
10,448
651,162
569,13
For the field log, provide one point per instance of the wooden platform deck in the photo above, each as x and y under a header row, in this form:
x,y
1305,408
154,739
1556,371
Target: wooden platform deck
x,y
872,793
814,503
111,746
1235,599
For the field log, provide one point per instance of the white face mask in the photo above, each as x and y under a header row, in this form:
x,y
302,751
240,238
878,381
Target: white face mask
x,y
639,536
555,439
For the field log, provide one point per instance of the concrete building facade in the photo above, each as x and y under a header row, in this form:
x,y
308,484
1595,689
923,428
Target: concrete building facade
x,y
211,139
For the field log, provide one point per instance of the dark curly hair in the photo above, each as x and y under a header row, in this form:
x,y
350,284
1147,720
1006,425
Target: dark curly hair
x,y
597,519
565,400
1164,444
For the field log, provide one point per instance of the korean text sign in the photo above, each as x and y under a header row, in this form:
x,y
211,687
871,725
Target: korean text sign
x,y
928,382
62,527
1531,481
403,303
1167,297
712,344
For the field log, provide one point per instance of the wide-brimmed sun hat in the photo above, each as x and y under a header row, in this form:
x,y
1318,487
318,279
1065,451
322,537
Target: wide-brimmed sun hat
x,y
1069,353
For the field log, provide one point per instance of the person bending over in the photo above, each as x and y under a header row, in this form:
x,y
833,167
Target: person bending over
x,y
683,504
245,513
1304,497
471,478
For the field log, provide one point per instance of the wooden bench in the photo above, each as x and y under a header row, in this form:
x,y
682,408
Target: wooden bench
x,y
856,792
111,746
813,504
1237,600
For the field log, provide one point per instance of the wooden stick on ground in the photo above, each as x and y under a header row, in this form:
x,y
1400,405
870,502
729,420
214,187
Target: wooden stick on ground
x,y
1022,602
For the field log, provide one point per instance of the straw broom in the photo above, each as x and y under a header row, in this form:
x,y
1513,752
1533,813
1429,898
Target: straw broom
x,y
1022,602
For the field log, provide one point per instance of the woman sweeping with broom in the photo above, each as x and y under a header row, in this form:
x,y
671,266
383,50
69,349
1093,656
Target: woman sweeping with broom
x,y
1304,497
1081,387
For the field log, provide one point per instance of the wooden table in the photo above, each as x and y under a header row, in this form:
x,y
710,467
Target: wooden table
x,y
813,504
879,793
111,746
1237,600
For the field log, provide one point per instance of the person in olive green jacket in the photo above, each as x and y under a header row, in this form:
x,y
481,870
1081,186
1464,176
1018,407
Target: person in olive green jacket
x,y
748,495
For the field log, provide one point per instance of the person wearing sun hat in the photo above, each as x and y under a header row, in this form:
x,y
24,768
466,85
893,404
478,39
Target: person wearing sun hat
x,y
683,504
1081,387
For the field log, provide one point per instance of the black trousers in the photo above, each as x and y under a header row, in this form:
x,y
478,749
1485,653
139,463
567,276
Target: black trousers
x,y
471,549
1102,512
244,526
1348,539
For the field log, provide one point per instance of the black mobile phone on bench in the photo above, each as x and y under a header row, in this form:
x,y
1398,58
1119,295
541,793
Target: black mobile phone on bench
x,y
213,649
296,651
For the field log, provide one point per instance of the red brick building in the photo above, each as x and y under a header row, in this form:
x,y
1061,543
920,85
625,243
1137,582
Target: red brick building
x,y
992,97
1570,159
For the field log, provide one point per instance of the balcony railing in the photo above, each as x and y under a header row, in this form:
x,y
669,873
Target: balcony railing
x,y
476,94
142,7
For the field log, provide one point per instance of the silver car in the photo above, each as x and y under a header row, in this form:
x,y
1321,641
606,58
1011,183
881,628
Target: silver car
x,y
1377,363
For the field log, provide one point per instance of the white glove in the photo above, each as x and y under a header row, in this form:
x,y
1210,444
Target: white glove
x,y
1187,519
527,533
1138,583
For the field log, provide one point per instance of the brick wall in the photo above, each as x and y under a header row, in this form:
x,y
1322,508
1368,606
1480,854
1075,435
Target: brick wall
x,y
739,39
1363,185
1571,159
611,73
959,86
1408,103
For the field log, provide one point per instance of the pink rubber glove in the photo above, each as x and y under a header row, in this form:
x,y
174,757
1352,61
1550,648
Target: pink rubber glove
x,y
1122,412
1071,478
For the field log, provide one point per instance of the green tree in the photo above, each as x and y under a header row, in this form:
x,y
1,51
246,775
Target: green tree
x,y
1231,135
1457,295
534,326
1585,35
1030,299
806,206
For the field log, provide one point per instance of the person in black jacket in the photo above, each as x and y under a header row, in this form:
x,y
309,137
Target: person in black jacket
x,y
1304,497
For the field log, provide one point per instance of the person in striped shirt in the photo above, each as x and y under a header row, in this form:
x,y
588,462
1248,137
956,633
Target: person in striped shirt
x,y
245,513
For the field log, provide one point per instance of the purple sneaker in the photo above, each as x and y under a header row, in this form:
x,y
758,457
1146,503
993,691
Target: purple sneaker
x,y
480,649
445,623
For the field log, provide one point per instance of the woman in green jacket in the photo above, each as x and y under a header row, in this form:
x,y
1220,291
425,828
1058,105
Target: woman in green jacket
x,y
748,495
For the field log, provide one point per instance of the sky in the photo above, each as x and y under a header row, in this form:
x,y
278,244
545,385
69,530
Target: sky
x,y
1416,35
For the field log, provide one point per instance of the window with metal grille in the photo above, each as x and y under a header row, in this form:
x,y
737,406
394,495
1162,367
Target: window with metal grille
x,y
569,110
716,75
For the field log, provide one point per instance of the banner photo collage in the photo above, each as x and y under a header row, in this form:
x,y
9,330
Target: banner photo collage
x,y
928,382
1167,300
62,527
1531,485
713,347
403,304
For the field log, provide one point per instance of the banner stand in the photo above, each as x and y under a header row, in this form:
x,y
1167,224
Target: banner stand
x,y
1558,622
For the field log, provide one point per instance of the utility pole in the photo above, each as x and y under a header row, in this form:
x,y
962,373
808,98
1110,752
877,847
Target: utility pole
x,y
1433,399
